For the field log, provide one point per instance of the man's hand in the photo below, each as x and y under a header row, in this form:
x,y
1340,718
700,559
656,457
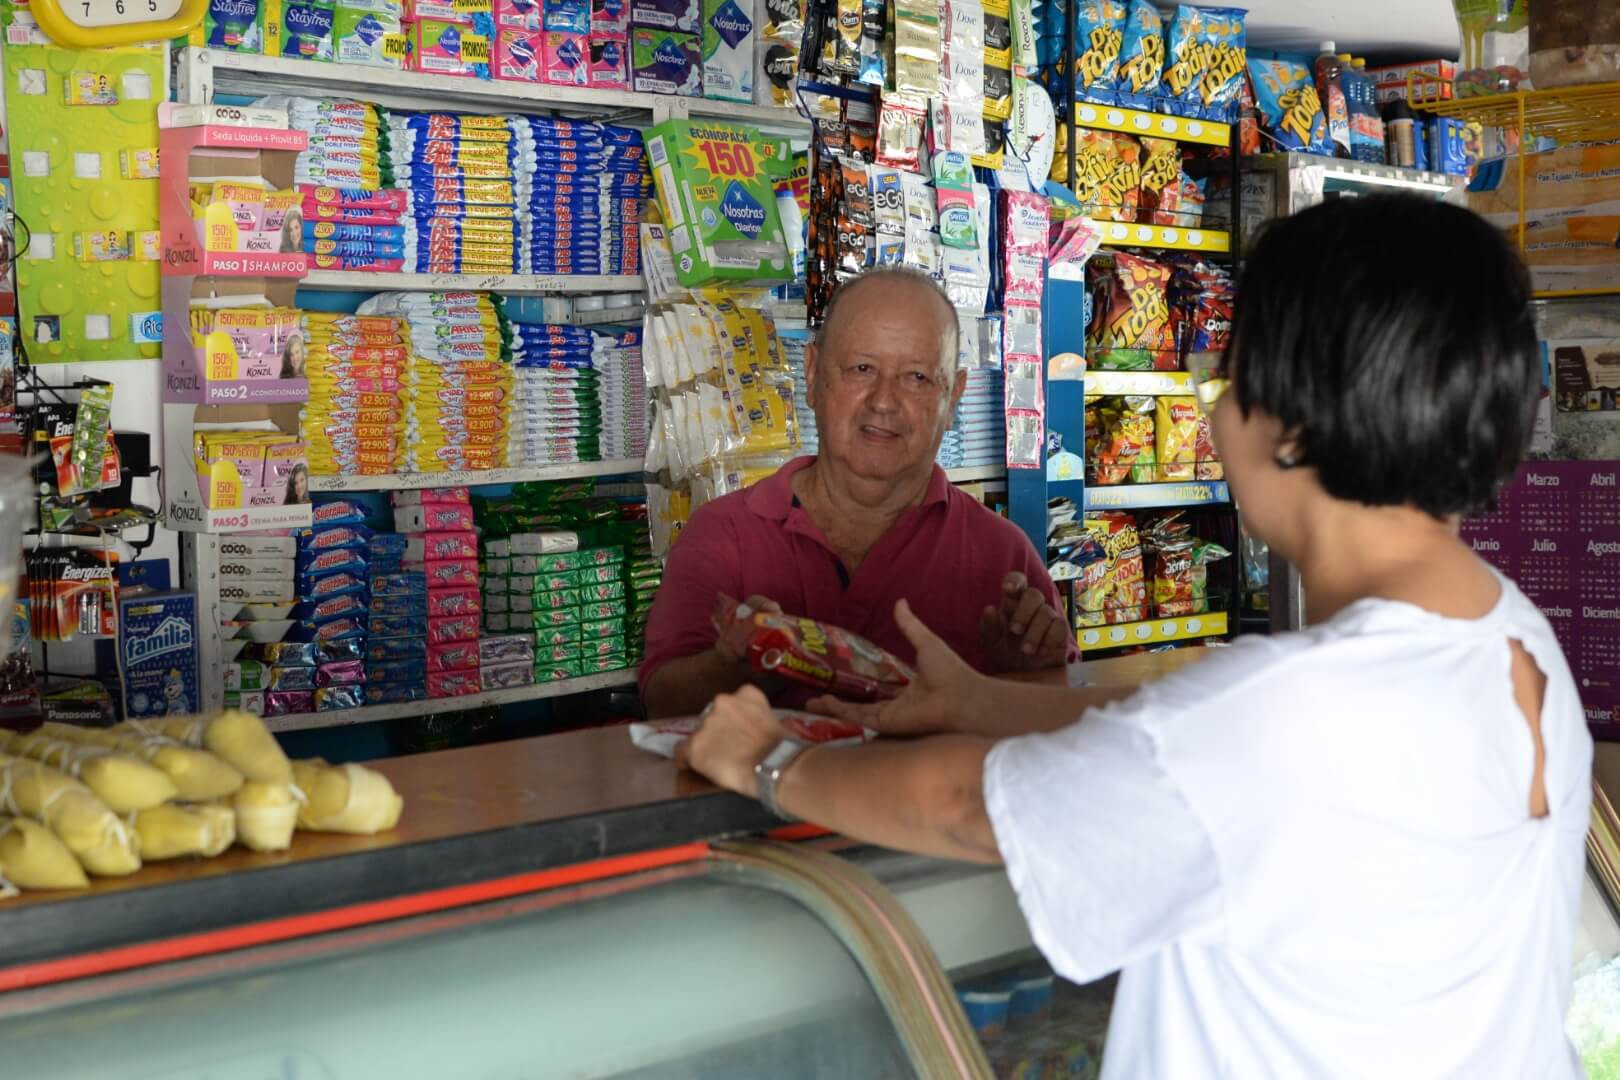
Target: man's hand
x,y
738,731
758,603
1023,633
944,693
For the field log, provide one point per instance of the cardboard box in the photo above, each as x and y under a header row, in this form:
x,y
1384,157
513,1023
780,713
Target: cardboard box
x,y
719,201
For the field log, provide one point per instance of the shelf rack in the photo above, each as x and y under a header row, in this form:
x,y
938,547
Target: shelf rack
x,y
1152,632
1166,496
476,477
1566,114
366,714
1153,125
976,474
507,284
1340,173
202,73
1164,237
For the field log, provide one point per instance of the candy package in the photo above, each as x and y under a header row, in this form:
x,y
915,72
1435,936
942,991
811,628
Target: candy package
x,y
810,652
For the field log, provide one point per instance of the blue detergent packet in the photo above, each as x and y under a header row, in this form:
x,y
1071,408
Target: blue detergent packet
x,y
395,693
334,230
401,605
400,584
331,586
382,650
349,629
328,538
317,612
1141,56
392,626
396,670
1292,113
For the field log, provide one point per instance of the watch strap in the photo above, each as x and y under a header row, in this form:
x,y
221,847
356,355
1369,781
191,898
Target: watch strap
x,y
768,774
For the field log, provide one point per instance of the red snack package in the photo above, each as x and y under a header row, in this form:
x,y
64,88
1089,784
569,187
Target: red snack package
x,y
810,652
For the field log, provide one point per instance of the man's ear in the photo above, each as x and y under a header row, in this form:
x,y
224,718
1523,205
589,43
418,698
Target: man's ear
x,y
811,358
959,386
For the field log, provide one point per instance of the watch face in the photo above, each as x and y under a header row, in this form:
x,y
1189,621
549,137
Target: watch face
x,y
94,13
1031,137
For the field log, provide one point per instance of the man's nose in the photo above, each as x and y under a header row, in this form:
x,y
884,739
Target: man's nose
x,y
884,397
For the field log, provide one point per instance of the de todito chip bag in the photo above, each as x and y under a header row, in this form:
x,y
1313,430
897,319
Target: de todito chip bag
x,y
811,653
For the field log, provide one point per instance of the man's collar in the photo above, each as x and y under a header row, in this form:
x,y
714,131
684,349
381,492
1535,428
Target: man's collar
x,y
772,498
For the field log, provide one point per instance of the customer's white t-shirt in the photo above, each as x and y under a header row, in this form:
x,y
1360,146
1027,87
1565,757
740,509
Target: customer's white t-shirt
x,y
1312,855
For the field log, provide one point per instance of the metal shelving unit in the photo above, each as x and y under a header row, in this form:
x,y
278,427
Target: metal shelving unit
x,y
508,284
1567,114
201,74
516,695
475,477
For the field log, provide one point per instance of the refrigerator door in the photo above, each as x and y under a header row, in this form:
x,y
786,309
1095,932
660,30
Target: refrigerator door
x,y
703,970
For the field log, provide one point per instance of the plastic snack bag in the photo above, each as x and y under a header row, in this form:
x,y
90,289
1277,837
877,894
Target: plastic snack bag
x,y
1130,328
1121,436
1175,430
1099,32
1289,106
1180,561
810,652
663,736
1141,57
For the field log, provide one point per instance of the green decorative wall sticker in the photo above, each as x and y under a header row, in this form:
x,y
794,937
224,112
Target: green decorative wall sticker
x,y
84,137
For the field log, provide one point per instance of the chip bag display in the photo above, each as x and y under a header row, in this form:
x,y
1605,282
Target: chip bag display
x,y
1160,183
810,652
1130,327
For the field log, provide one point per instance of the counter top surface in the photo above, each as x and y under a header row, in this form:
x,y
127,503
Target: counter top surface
x,y
470,814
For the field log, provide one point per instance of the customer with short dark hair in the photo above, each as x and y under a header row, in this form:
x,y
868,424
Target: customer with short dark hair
x,y
1356,850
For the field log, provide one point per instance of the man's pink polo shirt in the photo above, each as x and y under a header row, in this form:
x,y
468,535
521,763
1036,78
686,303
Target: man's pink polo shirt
x,y
946,556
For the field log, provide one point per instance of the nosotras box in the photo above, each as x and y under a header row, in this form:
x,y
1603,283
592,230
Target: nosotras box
x,y
716,188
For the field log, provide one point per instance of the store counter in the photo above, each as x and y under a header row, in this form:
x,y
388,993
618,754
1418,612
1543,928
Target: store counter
x,y
502,812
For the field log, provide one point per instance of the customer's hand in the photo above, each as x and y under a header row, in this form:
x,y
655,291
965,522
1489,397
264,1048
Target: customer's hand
x,y
737,733
758,603
945,690
1023,632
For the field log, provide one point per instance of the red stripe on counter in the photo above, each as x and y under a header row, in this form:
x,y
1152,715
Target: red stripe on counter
x,y
145,954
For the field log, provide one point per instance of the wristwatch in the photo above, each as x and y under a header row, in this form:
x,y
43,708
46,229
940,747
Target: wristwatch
x,y
768,773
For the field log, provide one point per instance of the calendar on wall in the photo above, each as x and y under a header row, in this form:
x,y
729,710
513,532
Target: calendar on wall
x,y
1556,531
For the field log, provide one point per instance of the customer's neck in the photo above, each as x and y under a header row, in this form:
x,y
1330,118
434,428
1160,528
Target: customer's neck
x,y
1395,553
836,495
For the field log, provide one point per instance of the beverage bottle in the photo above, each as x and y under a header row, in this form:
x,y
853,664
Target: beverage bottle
x,y
1400,135
1369,106
1335,107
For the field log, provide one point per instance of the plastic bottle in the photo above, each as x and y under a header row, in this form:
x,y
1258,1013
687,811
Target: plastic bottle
x,y
1330,88
1366,129
1369,108
1400,135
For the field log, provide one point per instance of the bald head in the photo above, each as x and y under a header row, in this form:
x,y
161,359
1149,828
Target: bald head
x,y
900,285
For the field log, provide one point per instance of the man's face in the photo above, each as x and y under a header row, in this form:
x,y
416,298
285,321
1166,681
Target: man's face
x,y
881,384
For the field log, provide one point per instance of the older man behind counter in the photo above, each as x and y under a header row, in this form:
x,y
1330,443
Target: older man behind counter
x,y
840,537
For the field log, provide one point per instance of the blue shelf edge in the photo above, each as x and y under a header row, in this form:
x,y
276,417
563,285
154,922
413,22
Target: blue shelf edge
x,y
1158,496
